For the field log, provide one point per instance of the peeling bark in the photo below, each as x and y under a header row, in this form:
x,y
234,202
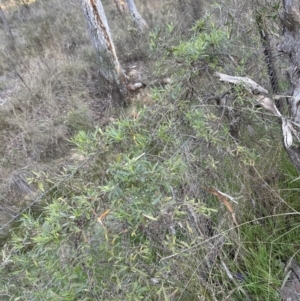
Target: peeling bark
x,y
110,67
290,45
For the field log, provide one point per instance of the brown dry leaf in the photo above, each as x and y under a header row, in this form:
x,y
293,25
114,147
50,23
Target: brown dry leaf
x,y
268,104
224,200
102,216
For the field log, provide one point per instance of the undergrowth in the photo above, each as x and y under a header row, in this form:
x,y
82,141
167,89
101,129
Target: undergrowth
x,y
183,200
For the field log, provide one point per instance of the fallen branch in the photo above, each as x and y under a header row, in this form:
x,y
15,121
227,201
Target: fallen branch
x,y
267,103
246,82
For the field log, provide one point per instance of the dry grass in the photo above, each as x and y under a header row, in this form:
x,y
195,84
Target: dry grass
x,y
49,85
48,88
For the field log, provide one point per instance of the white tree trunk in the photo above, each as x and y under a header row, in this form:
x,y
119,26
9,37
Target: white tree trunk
x,y
141,23
129,6
110,67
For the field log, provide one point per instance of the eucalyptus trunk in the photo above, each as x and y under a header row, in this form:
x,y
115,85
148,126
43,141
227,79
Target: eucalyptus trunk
x,y
140,22
129,6
110,67
290,45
